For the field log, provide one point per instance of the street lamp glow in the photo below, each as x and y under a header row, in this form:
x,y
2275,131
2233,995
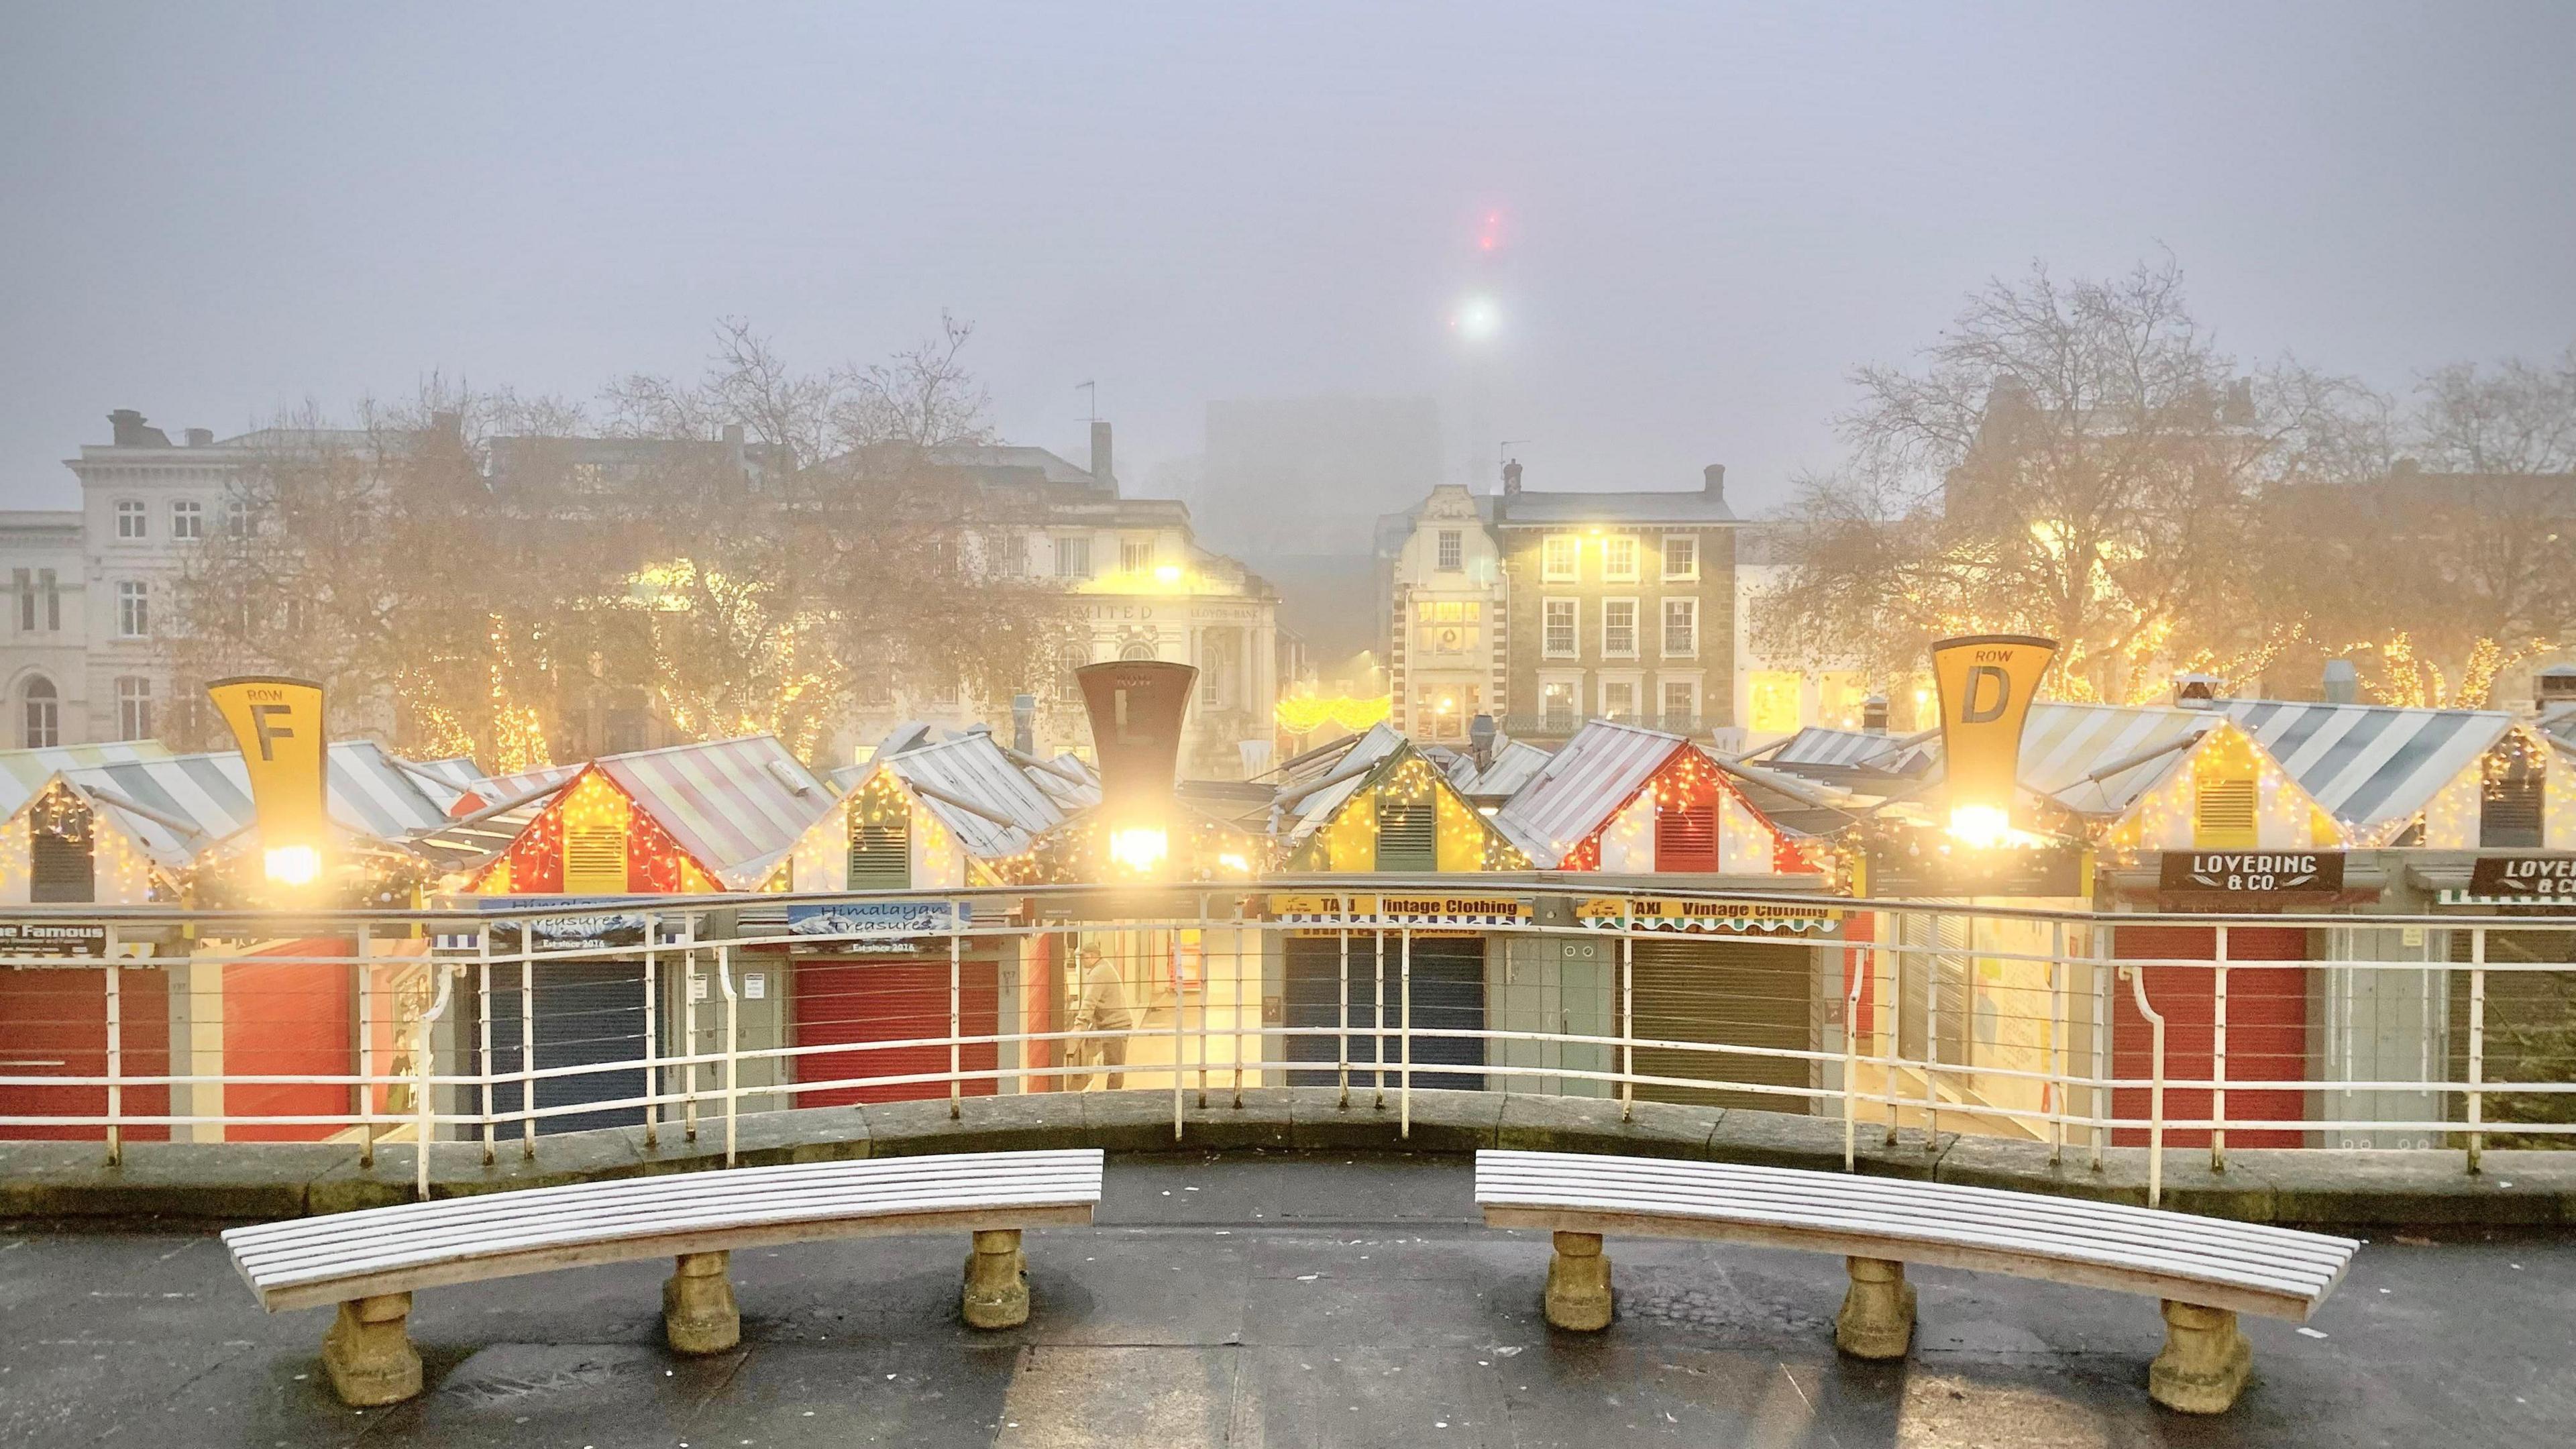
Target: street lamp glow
x,y
1139,848
293,865
1477,319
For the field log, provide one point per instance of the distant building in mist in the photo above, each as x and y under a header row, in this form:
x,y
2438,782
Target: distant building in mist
x,y
1294,487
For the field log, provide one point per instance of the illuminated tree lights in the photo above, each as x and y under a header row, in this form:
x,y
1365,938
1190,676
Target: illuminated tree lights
x,y
534,863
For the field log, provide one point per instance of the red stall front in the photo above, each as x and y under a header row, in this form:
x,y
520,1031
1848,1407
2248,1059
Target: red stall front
x,y
2267,1030
863,999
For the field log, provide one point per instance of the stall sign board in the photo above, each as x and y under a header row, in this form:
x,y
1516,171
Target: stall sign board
x,y
1665,913
2252,875
2524,877
53,938
879,928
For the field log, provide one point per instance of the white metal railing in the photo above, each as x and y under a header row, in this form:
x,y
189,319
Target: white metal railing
x,y
1930,1016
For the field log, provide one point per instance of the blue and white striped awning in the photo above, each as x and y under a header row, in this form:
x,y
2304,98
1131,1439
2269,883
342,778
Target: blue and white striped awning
x,y
176,806
2374,767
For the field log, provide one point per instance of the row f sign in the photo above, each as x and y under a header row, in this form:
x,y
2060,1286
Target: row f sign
x,y
278,724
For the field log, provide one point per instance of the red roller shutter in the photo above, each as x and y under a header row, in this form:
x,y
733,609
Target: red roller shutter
x,y
289,1019
2267,1030
54,1023
900,998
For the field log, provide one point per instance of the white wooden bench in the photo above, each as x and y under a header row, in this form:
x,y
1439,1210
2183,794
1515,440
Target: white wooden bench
x,y
371,1262
2206,1270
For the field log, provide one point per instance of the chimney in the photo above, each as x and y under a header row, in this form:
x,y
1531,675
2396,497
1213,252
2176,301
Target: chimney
x,y
1713,481
2195,691
201,437
1480,739
1873,715
1102,466
447,422
2343,682
1511,479
132,432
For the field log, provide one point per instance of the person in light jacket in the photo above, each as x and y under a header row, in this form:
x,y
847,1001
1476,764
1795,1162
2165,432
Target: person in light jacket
x,y
1102,1007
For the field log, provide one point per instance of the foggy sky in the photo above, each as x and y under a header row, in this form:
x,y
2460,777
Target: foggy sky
x,y
1710,214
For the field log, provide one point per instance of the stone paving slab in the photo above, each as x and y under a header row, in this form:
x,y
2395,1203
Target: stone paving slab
x,y
2347,1189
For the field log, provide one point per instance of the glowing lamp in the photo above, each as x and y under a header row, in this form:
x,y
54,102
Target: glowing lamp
x,y
1140,848
1235,863
1167,573
293,865
1982,826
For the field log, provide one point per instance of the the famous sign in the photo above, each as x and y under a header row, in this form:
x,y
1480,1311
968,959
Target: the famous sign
x,y
2252,875
278,724
1987,682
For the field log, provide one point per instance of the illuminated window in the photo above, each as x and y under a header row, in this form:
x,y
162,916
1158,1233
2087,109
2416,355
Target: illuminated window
x,y
1681,557
1556,706
1619,628
1135,556
1452,550
1839,695
1681,628
1562,558
1775,698
1558,639
1619,559
130,522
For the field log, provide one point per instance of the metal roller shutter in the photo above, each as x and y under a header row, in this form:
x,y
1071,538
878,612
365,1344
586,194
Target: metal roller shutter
x,y
1448,995
2267,1029
1731,993
588,1013
892,999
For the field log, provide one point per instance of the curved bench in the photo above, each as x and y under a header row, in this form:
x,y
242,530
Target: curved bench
x,y
371,1262
2204,1269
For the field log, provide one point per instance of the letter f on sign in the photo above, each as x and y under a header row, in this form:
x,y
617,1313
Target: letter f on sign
x,y
269,734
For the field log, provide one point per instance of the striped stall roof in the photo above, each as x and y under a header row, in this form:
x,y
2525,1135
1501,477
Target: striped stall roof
x,y
2064,745
736,806
1841,749
1068,780
24,772
177,805
980,781
1514,765
1583,786
2373,766
500,789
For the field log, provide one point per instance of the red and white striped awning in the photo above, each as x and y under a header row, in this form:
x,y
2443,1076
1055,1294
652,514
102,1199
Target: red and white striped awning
x,y
736,805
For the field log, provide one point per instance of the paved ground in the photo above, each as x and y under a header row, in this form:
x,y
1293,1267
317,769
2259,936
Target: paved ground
x,y
1280,1302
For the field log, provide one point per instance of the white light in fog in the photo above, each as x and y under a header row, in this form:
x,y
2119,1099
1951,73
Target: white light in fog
x,y
1477,319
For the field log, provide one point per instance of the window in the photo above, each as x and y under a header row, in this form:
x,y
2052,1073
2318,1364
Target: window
x,y
1618,699
1073,558
1681,628
22,583
1681,557
1452,552
1839,696
62,853
133,610
594,860
187,519
1681,706
1558,636
1135,556
1137,649
1010,556
129,518
237,516
1686,834
1619,559
2511,796
1407,834
1619,628
1067,688
1776,696
41,725
53,599
2225,797
1556,706
133,708
881,853
1562,558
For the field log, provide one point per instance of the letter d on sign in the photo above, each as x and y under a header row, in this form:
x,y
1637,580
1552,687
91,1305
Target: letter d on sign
x,y
1986,682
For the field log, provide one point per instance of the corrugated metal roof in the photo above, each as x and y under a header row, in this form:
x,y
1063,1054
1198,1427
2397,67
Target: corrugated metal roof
x,y
1583,786
2063,744
735,805
2371,766
495,789
188,802
1514,765
975,769
24,772
1817,745
1361,757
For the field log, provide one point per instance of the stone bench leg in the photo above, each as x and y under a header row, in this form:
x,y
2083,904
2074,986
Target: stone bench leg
x,y
2205,1363
997,1281
368,1354
1578,1284
698,1312
1877,1320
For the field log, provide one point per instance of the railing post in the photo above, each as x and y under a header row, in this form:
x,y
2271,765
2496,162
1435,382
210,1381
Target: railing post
x,y
1237,953
653,1035
1180,1046
1404,1024
733,1056
483,1037
1627,1010
367,1051
2477,1045
1377,1012
1342,1011
689,1028
1851,1060
115,1056
2056,1042
1932,1044
2218,1058
956,1012
424,1041
2156,1097
1180,994
1891,956
2105,1009
527,1044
